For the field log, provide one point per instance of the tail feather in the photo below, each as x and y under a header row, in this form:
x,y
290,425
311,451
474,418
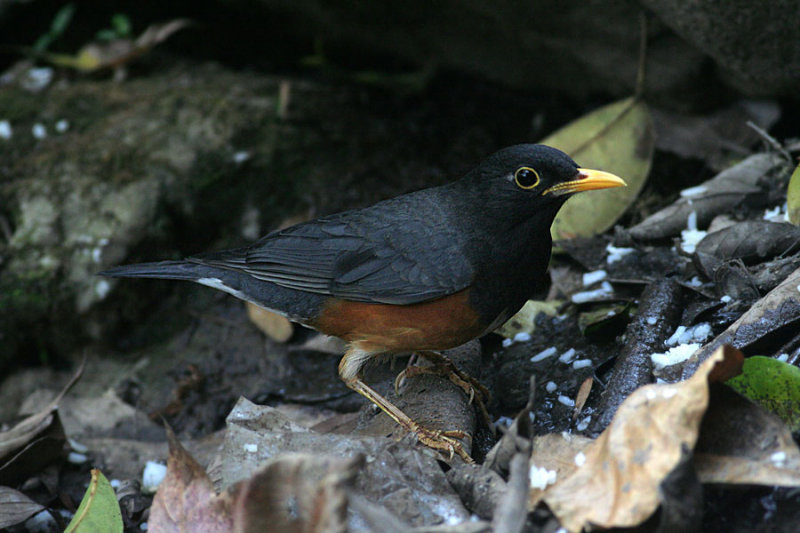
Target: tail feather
x,y
184,270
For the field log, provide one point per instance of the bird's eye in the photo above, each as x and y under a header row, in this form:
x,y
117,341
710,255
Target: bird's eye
x,y
526,178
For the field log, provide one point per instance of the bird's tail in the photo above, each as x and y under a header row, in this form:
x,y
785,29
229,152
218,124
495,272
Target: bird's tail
x,y
184,270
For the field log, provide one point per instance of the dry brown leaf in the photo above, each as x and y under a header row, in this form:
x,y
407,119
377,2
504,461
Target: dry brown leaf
x,y
296,492
34,441
619,485
743,443
186,499
271,324
15,507
559,452
291,493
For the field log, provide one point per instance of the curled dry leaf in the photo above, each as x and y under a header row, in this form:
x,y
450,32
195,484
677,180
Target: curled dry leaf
x,y
186,499
720,194
15,507
742,443
617,138
35,441
620,483
752,241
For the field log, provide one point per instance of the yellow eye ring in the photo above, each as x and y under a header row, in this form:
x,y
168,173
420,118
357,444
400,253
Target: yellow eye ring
x,y
526,178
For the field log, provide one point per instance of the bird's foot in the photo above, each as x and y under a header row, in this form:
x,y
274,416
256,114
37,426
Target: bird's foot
x,y
448,442
444,367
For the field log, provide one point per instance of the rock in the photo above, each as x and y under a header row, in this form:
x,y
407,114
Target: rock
x,y
755,44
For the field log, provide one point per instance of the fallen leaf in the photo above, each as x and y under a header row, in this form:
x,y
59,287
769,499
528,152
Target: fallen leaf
x,y
34,441
297,493
720,194
15,507
616,138
655,427
744,444
774,385
273,325
752,241
186,499
99,510
793,197
563,453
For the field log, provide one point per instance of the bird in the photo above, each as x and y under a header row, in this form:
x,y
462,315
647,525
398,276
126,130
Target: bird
x,y
421,272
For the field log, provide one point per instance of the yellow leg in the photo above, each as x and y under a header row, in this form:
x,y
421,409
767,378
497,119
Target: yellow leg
x,y
446,441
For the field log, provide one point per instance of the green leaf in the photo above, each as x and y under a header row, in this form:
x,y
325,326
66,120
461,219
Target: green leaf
x,y
121,24
616,138
61,20
793,197
99,511
774,385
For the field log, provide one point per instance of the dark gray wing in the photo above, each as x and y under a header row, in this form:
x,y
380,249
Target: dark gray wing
x,y
397,252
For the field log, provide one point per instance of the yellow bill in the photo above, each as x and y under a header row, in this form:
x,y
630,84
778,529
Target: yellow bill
x,y
587,180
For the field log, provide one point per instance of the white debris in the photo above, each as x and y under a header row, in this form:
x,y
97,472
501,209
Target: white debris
x,y
115,483
675,355
567,356
652,321
725,299
39,131
540,477
544,354
580,459
37,79
566,400
783,357
5,130
62,125
152,476
241,157
551,386
77,446
684,335
102,288
693,191
615,254
77,458
587,296
583,423
581,363
251,448
691,235
695,282
143,526
590,278
778,458
503,422
522,337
